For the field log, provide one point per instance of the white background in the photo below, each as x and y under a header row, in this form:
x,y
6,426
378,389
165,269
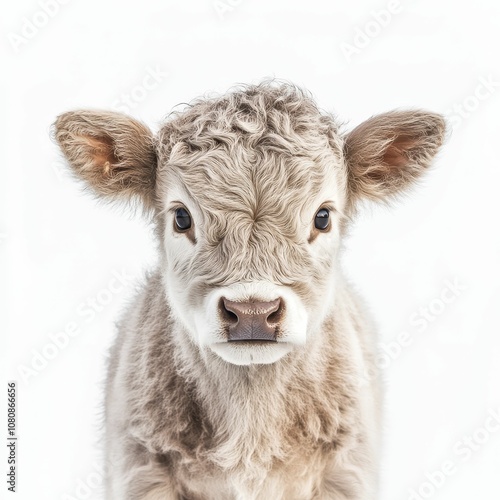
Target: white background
x,y
61,247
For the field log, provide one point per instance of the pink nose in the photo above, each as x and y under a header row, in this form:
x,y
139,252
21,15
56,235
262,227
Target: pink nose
x,y
251,320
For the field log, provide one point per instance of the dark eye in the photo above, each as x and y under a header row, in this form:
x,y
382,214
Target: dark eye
x,y
182,219
322,219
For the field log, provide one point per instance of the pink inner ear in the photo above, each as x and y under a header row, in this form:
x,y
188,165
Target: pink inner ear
x,y
396,154
102,151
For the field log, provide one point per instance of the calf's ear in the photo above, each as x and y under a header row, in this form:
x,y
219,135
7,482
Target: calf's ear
x,y
387,153
113,153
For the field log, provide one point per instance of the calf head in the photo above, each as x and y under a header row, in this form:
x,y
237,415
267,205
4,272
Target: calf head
x,y
250,193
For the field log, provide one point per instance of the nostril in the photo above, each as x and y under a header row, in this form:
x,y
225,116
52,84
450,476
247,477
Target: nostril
x,y
228,316
231,317
275,316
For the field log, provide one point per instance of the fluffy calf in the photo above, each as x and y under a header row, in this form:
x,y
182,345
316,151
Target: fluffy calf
x,y
240,370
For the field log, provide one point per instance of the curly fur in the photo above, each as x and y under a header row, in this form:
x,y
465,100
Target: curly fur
x,y
254,165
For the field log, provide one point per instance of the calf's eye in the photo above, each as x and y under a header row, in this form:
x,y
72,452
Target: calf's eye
x,y
182,219
322,219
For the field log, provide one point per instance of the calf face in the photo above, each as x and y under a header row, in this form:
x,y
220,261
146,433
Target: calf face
x,y
250,194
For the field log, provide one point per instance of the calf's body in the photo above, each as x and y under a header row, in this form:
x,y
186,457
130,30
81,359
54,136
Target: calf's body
x,y
245,368
184,427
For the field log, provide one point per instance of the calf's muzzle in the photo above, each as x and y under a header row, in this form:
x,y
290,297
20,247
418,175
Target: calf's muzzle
x,y
251,320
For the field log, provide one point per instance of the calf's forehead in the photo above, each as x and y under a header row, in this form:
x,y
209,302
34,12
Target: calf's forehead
x,y
250,151
269,183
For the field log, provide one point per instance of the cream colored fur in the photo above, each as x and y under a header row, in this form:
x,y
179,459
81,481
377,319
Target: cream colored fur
x,y
189,416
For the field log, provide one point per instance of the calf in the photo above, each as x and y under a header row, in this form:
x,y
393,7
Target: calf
x,y
239,372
